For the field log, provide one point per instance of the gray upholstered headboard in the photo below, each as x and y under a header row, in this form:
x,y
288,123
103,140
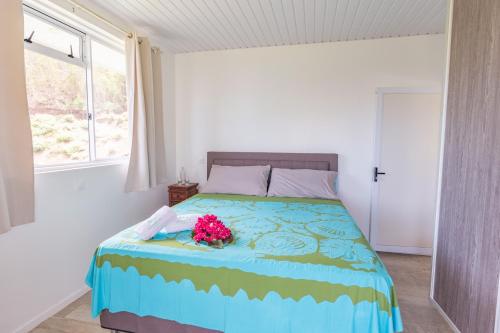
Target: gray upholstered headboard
x,y
275,160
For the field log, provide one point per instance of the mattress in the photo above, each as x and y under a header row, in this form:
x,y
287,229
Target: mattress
x,y
296,265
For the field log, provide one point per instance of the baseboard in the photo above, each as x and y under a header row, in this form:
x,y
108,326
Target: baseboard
x,y
444,315
423,251
38,319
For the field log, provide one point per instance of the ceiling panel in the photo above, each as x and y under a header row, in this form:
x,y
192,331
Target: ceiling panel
x,y
202,25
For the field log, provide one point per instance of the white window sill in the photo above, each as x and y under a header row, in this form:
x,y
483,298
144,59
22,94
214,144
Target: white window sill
x,y
77,166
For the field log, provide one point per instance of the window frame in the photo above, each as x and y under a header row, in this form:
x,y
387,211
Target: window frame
x,y
48,51
84,61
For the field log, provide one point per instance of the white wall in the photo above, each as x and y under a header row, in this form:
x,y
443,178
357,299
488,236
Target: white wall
x,y
43,264
305,98
168,69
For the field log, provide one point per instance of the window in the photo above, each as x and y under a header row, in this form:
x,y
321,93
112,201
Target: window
x,y
110,103
58,110
51,36
76,93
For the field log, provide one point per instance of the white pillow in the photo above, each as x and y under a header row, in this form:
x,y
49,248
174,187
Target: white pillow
x,y
302,183
248,180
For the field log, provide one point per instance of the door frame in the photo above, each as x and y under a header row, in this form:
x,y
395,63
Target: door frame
x,y
372,233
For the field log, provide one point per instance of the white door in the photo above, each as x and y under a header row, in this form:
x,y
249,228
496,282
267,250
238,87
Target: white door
x,y
407,151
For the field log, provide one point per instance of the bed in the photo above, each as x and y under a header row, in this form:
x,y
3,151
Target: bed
x,y
297,265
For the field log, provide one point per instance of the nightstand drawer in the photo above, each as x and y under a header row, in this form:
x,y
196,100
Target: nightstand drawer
x,y
178,196
178,192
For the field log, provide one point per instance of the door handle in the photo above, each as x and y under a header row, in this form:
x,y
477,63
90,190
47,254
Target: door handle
x,y
376,173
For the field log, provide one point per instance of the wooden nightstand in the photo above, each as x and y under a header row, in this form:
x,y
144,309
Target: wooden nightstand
x,y
178,192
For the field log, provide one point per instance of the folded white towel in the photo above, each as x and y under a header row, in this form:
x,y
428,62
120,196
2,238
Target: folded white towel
x,y
152,225
182,223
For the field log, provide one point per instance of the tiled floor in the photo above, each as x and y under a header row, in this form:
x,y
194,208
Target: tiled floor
x,y
411,275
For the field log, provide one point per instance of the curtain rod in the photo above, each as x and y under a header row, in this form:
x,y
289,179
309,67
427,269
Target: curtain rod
x,y
92,13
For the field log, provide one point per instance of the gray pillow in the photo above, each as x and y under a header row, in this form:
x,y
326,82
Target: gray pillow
x,y
248,180
302,183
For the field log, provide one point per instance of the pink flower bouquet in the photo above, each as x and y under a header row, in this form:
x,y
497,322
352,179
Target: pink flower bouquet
x,y
211,230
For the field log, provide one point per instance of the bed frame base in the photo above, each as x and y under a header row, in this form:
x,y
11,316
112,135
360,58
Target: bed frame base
x,y
126,322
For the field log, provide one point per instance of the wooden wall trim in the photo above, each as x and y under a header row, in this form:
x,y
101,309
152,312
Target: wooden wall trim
x,y
468,248
497,320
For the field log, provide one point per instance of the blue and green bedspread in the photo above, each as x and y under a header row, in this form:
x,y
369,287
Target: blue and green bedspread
x,y
296,266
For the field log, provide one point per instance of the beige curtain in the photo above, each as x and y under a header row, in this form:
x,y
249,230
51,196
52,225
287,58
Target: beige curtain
x,y
16,151
147,166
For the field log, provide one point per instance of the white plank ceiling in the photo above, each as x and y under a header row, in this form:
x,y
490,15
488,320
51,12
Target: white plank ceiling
x,y
202,25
